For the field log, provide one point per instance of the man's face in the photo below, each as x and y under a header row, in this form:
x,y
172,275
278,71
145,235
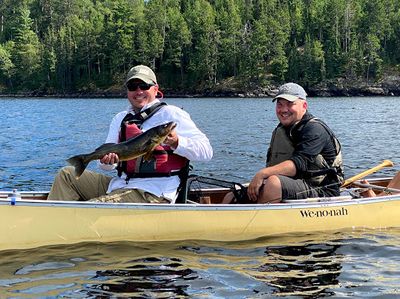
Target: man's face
x,y
140,93
290,113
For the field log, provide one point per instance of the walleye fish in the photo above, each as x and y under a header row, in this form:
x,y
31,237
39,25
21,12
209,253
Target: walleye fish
x,y
141,145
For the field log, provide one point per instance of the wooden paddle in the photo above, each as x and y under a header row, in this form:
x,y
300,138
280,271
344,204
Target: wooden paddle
x,y
385,163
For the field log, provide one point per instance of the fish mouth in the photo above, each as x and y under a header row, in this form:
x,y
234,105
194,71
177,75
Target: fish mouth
x,y
170,126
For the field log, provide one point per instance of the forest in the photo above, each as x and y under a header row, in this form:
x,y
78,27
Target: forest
x,y
61,46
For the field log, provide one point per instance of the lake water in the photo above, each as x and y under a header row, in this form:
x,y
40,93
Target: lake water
x,y
39,134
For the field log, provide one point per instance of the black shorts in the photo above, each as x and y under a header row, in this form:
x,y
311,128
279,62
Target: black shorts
x,y
297,188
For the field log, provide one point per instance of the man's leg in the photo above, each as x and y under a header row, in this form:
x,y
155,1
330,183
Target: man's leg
x,y
228,198
89,185
394,183
368,192
271,191
278,187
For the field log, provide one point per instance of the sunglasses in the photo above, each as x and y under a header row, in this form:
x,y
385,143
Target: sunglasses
x,y
132,86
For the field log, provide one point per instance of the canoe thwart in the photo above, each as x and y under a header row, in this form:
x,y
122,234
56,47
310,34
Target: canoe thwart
x,y
377,187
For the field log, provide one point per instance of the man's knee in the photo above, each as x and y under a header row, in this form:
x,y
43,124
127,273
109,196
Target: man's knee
x,y
271,191
65,173
273,183
66,170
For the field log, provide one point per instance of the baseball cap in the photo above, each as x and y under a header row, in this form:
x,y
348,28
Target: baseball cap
x,y
143,73
291,92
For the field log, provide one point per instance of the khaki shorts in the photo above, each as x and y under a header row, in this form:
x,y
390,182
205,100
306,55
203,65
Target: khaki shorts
x,y
92,186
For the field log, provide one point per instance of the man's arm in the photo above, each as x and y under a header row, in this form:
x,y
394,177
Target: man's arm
x,y
192,143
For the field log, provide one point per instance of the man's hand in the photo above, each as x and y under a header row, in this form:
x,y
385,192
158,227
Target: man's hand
x,y
110,158
255,185
172,139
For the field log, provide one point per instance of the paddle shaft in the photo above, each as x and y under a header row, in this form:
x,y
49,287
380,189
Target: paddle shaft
x,y
377,187
385,163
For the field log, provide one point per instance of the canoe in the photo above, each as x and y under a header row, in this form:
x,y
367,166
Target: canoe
x,y
33,221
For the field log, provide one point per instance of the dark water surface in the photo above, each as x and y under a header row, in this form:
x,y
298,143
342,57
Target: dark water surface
x,y
39,134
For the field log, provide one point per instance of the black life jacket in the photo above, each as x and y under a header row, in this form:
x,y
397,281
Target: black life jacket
x,y
282,148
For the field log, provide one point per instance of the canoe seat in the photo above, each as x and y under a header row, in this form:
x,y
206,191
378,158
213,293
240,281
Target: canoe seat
x,y
206,190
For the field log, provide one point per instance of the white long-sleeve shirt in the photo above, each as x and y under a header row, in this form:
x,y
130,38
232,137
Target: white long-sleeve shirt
x,y
193,145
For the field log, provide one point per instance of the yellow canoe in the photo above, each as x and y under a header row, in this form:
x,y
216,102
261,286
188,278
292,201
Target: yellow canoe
x,y
34,221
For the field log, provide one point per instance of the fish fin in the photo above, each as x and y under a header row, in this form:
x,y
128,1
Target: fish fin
x,y
79,163
148,156
105,145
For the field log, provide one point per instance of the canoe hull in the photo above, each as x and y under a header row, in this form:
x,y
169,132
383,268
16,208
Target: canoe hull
x,y
33,223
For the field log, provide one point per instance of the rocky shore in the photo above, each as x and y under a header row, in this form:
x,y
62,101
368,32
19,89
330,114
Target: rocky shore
x,y
388,86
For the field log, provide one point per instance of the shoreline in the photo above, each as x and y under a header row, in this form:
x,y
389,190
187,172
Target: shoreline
x,y
339,88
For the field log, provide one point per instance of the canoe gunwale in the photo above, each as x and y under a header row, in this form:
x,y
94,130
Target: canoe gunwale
x,y
38,199
196,206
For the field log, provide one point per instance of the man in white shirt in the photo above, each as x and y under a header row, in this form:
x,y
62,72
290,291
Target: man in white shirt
x,y
138,180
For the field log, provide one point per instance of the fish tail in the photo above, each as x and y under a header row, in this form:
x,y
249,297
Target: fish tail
x,y
79,163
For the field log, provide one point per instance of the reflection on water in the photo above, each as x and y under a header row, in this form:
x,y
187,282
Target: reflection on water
x,y
309,266
144,278
310,269
148,275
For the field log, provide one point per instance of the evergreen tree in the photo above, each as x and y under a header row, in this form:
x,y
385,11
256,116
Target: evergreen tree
x,y
203,53
7,67
71,45
177,39
229,25
295,10
123,38
26,51
152,35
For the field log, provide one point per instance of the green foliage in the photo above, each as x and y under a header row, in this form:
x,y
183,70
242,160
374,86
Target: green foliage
x,y
177,39
372,60
202,55
313,61
7,67
229,25
26,50
72,45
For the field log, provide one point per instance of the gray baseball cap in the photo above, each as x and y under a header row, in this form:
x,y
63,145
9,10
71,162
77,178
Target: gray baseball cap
x,y
143,73
291,92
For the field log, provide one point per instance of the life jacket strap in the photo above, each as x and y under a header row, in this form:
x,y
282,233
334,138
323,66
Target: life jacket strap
x,y
152,175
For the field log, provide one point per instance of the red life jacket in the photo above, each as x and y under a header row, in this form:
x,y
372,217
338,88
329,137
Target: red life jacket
x,y
165,162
